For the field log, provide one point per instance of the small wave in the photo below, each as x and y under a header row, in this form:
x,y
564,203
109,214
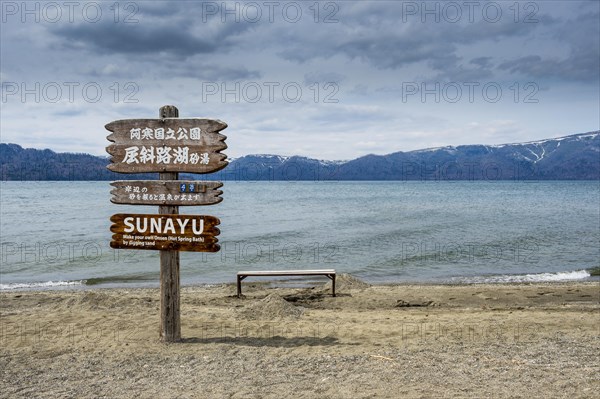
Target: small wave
x,y
42,284
529,278
136,278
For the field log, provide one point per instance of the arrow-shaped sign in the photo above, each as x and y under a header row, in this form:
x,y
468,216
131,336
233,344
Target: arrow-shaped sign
x,y
166,192
195,233
166,145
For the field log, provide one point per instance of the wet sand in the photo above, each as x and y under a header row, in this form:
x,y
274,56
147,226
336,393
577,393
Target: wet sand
x,y
413,341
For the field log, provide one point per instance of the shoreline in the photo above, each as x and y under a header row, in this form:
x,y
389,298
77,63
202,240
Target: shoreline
x,y
400,340
274,282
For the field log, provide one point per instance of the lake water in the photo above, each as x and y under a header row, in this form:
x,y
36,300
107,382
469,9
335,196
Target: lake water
x,y
56,234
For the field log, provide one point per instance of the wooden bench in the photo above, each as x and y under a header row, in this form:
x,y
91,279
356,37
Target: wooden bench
x,y
330,273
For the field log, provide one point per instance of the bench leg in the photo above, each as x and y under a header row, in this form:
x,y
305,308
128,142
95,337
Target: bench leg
x,y
239,286
332,278
333,285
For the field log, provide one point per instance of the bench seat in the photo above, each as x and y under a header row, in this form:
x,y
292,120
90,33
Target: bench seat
x,y
330,273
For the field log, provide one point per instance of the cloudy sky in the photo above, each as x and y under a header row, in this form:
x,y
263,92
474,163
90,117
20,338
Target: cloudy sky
x,y
329,80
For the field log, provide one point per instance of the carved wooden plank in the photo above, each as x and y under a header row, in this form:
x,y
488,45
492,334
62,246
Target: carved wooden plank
x,y
208,133
166,145
167,192
195,233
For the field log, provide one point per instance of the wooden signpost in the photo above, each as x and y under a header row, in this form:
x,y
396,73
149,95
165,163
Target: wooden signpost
x,y
167,145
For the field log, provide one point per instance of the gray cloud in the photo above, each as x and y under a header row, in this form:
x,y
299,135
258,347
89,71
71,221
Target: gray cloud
x,y
582,37
452,69
482,62
370,34
322,77
377,37
68,113
584,67
132,39
198,69
163,28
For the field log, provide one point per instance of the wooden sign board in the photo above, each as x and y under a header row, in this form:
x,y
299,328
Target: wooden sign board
x,y
166,192
196,233
166,145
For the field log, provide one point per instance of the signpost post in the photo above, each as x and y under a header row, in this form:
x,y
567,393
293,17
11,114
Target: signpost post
x,y
168,146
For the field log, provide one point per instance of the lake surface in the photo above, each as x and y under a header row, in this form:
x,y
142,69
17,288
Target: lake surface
x,y
56,234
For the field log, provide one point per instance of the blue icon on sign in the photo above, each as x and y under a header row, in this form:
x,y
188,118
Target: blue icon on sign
x,y
192,188
182,188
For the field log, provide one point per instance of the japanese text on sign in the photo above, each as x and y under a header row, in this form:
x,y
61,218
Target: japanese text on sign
x,y
141,193
160,133
164,155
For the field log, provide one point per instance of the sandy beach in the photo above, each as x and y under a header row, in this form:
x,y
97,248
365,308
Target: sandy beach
x,y
387,341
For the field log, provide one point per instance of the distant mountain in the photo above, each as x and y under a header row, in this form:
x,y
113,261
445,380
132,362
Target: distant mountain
x,y
575,157
18,163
